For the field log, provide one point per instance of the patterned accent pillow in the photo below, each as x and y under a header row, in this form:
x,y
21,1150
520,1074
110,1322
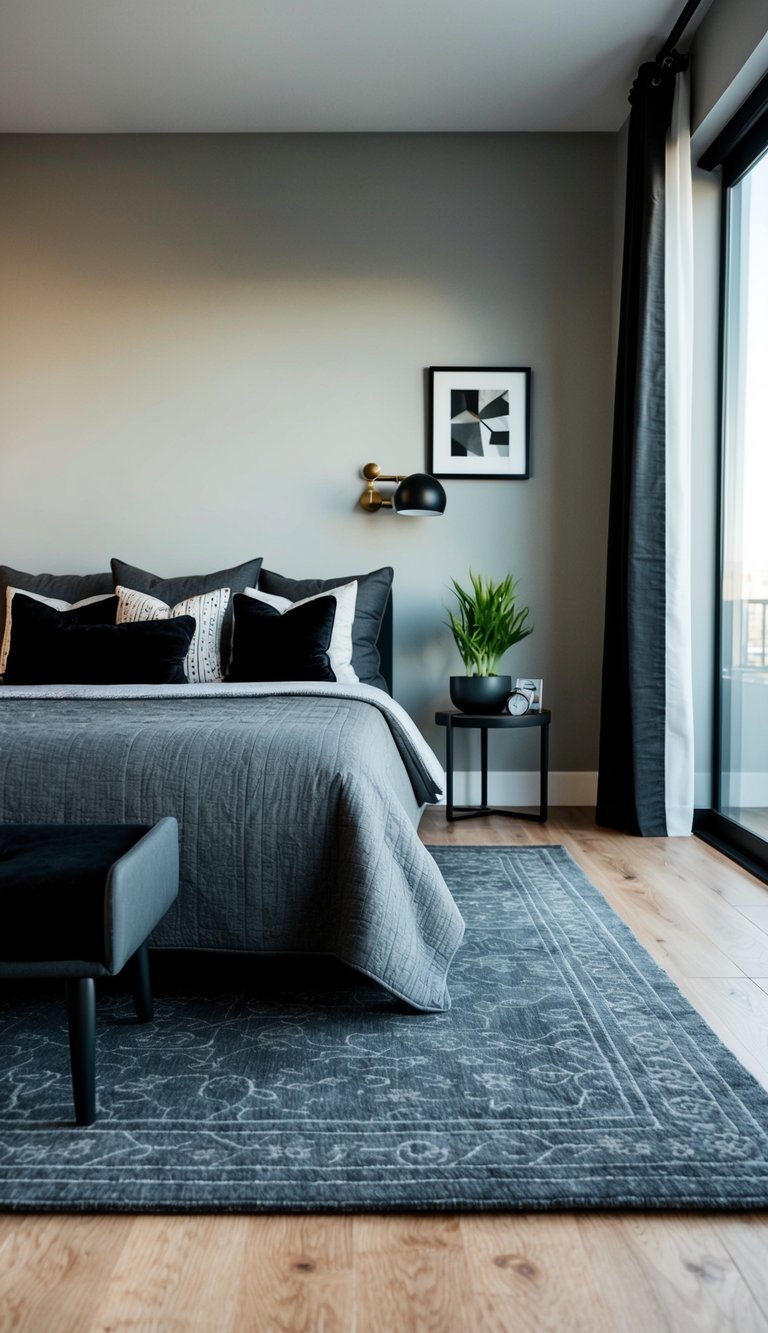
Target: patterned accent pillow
x,y
176,589
56,604
340,649
203,663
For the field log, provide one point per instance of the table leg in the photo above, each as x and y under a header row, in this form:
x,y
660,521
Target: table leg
x,y
543,795
484,767
449,770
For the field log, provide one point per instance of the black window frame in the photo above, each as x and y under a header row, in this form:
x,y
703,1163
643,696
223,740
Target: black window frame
x,y
736,150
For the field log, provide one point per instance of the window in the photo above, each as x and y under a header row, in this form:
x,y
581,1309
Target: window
x,y
738,820
742,793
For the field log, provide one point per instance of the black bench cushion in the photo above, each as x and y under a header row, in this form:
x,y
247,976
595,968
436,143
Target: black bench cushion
x,y
52,888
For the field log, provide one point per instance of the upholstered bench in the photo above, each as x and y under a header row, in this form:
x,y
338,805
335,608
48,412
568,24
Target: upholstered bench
x,y
78,901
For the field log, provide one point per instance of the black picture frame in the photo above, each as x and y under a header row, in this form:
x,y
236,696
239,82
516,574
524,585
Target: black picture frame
x,y
471,436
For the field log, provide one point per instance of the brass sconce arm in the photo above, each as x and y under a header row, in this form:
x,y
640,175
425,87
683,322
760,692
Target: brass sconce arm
x,y
417,495
372,500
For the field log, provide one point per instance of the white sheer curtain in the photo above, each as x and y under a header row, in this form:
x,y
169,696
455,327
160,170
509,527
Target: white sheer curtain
x,y
678,280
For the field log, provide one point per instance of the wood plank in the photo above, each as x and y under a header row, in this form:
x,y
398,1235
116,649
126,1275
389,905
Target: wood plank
x,y
411,1274
737,1010
175,1274
757,913
54,1270
520,1261
661,870
746,1240
489,1314
671,1272
376,1232
693,860
297,1275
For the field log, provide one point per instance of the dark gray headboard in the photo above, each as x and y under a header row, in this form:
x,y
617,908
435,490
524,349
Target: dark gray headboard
x,y
385,643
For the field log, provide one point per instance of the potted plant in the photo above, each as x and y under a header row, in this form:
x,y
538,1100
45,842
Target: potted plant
x,y
487,623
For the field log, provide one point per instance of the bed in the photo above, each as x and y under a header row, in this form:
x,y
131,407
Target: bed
x,y
298,805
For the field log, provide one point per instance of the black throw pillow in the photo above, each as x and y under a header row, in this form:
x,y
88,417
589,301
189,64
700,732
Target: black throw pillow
x,y
32,612
64,587
268,645
373,593
67,648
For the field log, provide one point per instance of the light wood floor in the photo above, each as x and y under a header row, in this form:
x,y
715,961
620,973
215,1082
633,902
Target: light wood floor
x,y
706,922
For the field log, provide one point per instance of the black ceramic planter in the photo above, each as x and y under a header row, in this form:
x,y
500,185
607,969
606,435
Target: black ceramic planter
x,y
480,694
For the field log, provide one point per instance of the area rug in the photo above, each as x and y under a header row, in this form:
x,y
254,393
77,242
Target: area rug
x,y
569,1073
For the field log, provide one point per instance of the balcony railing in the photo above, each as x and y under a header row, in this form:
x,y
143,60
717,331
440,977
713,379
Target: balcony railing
x,y
754,632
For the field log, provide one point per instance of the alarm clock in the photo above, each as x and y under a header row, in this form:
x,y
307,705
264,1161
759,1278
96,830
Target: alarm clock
x,y
518,703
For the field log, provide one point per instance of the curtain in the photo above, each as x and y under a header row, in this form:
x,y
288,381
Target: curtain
x,y
679,758
641,662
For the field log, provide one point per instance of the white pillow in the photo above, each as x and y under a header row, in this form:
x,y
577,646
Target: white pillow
x,y
54,602
203,661
340,647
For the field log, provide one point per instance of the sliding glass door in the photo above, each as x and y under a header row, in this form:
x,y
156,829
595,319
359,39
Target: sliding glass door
x,y
742,780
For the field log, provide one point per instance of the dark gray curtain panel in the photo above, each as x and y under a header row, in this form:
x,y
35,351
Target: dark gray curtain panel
x,y
631,779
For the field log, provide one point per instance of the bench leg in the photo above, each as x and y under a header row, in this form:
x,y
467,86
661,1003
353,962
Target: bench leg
x,y
81,1016
142,990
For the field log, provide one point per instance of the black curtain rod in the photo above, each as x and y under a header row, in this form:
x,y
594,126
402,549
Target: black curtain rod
x,y
679,28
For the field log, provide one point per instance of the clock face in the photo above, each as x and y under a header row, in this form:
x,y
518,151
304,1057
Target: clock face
x,y
518,703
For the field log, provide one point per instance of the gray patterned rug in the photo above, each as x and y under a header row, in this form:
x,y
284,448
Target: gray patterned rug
x,y
570,1073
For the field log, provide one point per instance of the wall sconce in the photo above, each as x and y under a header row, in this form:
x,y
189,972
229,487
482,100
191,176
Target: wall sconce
x,y
417,496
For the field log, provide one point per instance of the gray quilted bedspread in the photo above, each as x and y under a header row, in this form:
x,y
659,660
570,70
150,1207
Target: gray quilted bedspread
x,y
297,814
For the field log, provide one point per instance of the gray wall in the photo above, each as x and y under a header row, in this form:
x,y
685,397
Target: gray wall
x,y
203,338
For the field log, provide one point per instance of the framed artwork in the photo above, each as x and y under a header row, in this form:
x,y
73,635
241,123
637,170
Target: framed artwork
x,y
533,689
479,421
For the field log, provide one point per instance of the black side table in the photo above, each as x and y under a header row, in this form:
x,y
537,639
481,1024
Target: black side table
x,y
485,722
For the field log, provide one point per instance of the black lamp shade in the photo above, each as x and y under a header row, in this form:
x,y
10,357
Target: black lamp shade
x,y
419,496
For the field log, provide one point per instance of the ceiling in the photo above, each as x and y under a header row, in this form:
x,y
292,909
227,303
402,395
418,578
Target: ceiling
x,y
116,66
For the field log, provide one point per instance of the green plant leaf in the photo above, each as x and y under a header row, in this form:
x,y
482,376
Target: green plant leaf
x,y
488,622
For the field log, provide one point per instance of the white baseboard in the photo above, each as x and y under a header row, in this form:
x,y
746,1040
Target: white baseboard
x,y
522,788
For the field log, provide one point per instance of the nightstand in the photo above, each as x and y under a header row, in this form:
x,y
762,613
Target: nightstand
x,y
485,722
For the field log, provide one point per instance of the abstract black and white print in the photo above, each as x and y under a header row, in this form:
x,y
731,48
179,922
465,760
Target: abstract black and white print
x,y
479,423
